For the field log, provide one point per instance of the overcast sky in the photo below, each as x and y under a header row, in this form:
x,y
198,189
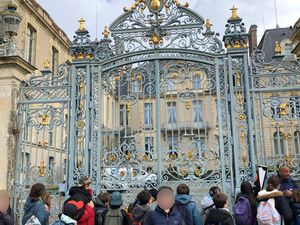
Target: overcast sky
x,y
66,13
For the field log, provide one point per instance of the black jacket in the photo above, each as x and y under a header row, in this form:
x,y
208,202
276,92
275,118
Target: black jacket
x,y
99,208
7,218
216,216
281,204
80,194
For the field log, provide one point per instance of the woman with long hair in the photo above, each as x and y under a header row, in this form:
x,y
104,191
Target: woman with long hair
x,y
35,205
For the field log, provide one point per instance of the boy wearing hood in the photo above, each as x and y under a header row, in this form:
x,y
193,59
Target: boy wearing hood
x,y
183,197
142,207
220,214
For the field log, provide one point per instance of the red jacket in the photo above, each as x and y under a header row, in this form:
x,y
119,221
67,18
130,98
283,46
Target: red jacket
x,y
88,217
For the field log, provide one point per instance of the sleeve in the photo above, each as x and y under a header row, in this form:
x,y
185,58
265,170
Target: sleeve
x,y
42,215
8,218
283,208
207,221
91,216
196,216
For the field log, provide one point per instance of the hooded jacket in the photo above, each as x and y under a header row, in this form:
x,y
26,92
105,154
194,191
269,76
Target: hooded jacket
x,y
99,209
160,217
7,218
80,194
216,216
192,207
281,204
36,208
139,212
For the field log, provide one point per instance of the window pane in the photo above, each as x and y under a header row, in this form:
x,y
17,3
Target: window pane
x,y
172,112
148,115
198,111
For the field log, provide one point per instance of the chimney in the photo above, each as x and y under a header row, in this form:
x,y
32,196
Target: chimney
x,y
252,38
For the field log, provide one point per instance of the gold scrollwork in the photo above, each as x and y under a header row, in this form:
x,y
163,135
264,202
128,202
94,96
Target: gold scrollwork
x,y
188,104
42,168
44,121
283,107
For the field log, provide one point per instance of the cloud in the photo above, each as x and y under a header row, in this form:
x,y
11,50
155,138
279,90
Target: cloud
x,y
260,12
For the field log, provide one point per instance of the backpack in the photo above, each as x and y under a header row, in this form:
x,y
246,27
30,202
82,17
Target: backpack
x,y
242,212
113,216
80,211
267,214
185,212
33,221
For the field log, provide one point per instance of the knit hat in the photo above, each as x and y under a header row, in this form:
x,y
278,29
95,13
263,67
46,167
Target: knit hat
x,y
213,190
84,180
153,193
116,199
71,208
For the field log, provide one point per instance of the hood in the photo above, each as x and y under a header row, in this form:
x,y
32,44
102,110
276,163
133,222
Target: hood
x,y
32,205
139,211
79,193
264,194
218,215
184,199
67,219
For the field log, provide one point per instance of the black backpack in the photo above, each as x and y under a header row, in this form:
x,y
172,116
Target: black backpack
x,y
184,211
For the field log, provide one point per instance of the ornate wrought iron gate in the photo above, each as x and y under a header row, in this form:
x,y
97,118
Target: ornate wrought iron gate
x,y
160,102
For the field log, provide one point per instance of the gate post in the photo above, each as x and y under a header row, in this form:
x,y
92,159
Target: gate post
x,y
236,42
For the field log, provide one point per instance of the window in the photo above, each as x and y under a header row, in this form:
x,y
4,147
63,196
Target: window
x,y
149,147
199,144
26,160
278,143
173,146
297,142
30,45
198,111
51,138
54,61
171,85
136,86
148,114
123,115
51,163
196,82
295,106
172,112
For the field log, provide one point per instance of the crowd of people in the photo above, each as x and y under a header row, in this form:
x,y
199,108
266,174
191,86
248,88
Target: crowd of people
x,y
278,203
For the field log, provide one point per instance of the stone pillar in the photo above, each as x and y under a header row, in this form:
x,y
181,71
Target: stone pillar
x,y
252,35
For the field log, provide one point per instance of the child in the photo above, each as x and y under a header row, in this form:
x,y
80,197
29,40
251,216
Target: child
x,y
296,206
220,214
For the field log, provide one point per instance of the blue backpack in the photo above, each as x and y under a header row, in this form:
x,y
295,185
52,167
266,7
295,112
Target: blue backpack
x,y
242,212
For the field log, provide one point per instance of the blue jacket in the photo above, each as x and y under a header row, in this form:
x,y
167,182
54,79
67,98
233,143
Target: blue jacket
x,y
160,217
192,207
288,185
36,208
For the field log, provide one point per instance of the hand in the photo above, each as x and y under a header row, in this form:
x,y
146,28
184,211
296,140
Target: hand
x,y
91,204
287,193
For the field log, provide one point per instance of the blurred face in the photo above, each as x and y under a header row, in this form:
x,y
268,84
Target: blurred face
x,y
4,201
285,173
165,199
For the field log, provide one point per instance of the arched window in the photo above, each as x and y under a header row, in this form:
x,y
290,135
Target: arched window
x,y
278,143
297,142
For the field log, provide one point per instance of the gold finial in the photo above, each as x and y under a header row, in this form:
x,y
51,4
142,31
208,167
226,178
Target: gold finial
x,y
81,24
155,4
44,120
208,24
47,64
188,104
277,48
234,15
106,32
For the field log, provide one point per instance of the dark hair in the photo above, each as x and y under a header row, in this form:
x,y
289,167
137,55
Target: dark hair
x,y
246,188
220,200
164,188
104,197
144,197
296,196
273,183
47,199
37,191
183,189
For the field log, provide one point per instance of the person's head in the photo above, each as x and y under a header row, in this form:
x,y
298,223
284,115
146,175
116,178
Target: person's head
x,y
153,193
72,208
273,183
85,182
37,191
116,199
296,196
246,188
104,197
214,190
183,189
144,197
220,200
165,198
284,172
